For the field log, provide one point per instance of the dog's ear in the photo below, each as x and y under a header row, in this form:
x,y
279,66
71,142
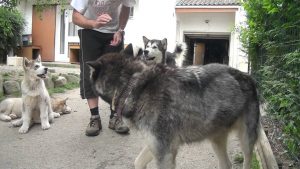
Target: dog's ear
x,y
94,64
145,40
164,43
65,100
128,50
95,68
38,59
140,52
26,63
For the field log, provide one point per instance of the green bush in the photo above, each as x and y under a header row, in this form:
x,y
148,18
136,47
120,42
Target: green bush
x,y
11,27
273,43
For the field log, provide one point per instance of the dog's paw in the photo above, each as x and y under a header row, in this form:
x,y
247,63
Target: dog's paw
x,y
13,116
56,115
23,130
17,123
45,126
6,118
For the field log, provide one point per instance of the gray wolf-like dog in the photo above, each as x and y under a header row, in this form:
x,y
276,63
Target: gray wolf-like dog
x,y
11,108
174,106
36,104
156,50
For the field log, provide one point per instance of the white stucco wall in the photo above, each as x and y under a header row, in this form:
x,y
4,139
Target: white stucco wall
x,y
154,19
25,7
195,22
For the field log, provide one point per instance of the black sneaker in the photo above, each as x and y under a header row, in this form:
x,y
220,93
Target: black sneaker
x,y
94,127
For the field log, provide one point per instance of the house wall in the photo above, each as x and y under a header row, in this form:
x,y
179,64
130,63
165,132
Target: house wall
x,y
154,19
157,19
195,22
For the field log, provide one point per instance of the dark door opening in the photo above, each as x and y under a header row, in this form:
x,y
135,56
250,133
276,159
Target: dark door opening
x,y
202,51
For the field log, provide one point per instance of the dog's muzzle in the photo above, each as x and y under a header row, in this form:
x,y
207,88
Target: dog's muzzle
x,y
43,76
146,55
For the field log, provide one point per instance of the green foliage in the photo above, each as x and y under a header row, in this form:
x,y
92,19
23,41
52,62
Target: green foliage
x,y
43,4
11,27
272,40
9,4
68,86
254,163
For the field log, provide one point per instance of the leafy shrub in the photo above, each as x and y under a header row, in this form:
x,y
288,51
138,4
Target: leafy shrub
x,y
11,27
273,43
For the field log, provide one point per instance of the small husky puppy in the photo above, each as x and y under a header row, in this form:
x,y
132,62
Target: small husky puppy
x,y
36,104
157,50
11,108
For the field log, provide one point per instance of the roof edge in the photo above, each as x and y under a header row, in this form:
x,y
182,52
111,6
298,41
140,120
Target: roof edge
x,y
209,6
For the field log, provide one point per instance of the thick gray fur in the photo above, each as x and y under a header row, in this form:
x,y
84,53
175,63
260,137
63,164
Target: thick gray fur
x,y
174,106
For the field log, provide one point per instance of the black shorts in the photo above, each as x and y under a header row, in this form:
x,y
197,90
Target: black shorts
x,y
93,44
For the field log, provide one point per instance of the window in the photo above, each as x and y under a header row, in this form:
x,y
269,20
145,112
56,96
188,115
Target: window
x,y
131,12
72,27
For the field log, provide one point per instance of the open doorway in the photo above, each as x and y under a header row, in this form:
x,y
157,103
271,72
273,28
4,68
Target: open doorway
x,y
207,49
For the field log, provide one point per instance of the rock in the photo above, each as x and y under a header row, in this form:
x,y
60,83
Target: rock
x,y
51,70
60,81
49,83
11,87
71,78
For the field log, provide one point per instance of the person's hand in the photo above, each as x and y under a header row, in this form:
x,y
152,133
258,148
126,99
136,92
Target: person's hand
x,y
116,39
102,20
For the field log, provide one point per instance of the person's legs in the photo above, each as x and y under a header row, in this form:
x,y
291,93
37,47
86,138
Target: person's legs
x,y
91,48
93,44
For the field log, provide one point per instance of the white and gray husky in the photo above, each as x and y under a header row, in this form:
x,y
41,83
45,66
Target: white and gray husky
x,y
173,106
36,104
156,50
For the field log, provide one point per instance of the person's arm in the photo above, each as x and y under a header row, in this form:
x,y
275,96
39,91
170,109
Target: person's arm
x,y
123,19
124,16
82,21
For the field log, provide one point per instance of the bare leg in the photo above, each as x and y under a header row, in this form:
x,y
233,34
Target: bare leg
x,y
143,158
93,102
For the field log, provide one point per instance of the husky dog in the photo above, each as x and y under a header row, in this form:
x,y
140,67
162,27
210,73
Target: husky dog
x,y
157,50
11,108
174,106
36,104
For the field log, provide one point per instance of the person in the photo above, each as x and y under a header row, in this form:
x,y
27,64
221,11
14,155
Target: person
x,y
103,23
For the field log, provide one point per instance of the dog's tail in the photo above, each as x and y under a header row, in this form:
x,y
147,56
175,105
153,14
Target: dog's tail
x,y
249,132
180,53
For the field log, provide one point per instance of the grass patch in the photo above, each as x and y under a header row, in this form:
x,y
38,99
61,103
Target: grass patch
x,y
62,89
254,162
